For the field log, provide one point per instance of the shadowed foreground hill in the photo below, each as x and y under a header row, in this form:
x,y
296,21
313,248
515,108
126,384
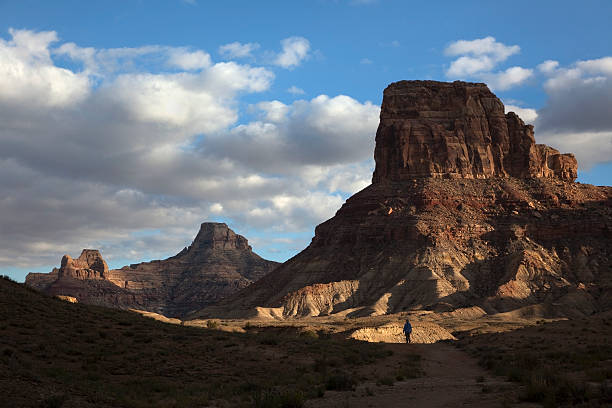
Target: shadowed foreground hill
x,y
59,354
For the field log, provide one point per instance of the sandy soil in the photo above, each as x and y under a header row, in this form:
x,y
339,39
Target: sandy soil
x,y
452,379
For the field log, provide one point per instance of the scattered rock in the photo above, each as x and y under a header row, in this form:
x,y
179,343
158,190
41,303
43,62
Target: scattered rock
x,y
69,299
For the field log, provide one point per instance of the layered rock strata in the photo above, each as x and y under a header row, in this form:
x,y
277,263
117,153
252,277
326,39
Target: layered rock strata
x,y
458,130
464,209
218,263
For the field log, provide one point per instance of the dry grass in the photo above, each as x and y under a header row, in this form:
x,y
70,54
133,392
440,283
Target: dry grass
x,y
57,354
563,363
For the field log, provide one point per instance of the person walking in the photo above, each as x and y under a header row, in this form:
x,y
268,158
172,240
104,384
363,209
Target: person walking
x,y
407,330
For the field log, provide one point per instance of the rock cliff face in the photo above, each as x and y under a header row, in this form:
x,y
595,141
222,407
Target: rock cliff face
x,y
218,263
458,130
464,209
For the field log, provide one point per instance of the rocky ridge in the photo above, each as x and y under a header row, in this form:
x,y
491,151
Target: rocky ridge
x,y
464,209
218,263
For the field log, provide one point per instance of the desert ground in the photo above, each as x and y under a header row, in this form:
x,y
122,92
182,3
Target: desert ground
x,y
60,354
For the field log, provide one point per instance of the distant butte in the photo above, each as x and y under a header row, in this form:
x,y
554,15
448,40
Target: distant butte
x,y
218,263
464,209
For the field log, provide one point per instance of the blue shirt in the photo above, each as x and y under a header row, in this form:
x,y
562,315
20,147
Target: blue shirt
x,y
407,327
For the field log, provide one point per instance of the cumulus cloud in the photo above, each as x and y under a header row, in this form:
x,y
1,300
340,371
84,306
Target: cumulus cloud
x,y
508,78
190,61
323,131
548,66
295,50
483,47
135,147
478,59
29,76
577,116
294,90
238,50
527,114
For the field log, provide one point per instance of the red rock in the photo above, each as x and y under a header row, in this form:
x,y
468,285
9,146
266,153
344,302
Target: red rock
x,y
464,210
89,265
218,263
457,130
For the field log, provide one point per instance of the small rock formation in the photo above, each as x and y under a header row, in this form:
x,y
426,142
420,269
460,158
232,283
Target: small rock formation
x,y
89,265
218,263
464,210
458,130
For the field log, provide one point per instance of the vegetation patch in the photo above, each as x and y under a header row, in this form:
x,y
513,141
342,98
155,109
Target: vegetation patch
x,y
58,354
564,363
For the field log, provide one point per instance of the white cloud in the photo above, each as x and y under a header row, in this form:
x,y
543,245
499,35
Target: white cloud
x,y
365,61
479,58
323,131
216,208
238,50
103,62
29,76
171,100
507,79
295,212
295,90
190,61
527,114
482,47
467,66
295,50
601,66
274,111
151,145
577,116
548,66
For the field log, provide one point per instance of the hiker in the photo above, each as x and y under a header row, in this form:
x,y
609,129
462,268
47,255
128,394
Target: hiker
x,y
407,331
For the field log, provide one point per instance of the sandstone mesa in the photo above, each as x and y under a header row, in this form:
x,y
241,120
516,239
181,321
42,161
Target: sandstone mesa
x,y
464,209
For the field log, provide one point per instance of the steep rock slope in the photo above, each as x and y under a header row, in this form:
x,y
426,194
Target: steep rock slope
x,y
464,209
218,263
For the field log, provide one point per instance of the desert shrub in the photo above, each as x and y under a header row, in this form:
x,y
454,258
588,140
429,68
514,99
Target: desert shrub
x,y
599,374
268,340
551,389
310,334
53,401
387,380
322,364
212,324
278,399
339,381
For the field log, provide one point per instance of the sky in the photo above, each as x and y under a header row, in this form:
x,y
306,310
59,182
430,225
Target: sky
x,y
125,124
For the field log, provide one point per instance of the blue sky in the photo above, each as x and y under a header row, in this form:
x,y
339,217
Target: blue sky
x,y
124,124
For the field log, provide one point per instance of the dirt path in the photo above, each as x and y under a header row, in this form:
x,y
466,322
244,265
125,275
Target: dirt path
x,y
452,379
